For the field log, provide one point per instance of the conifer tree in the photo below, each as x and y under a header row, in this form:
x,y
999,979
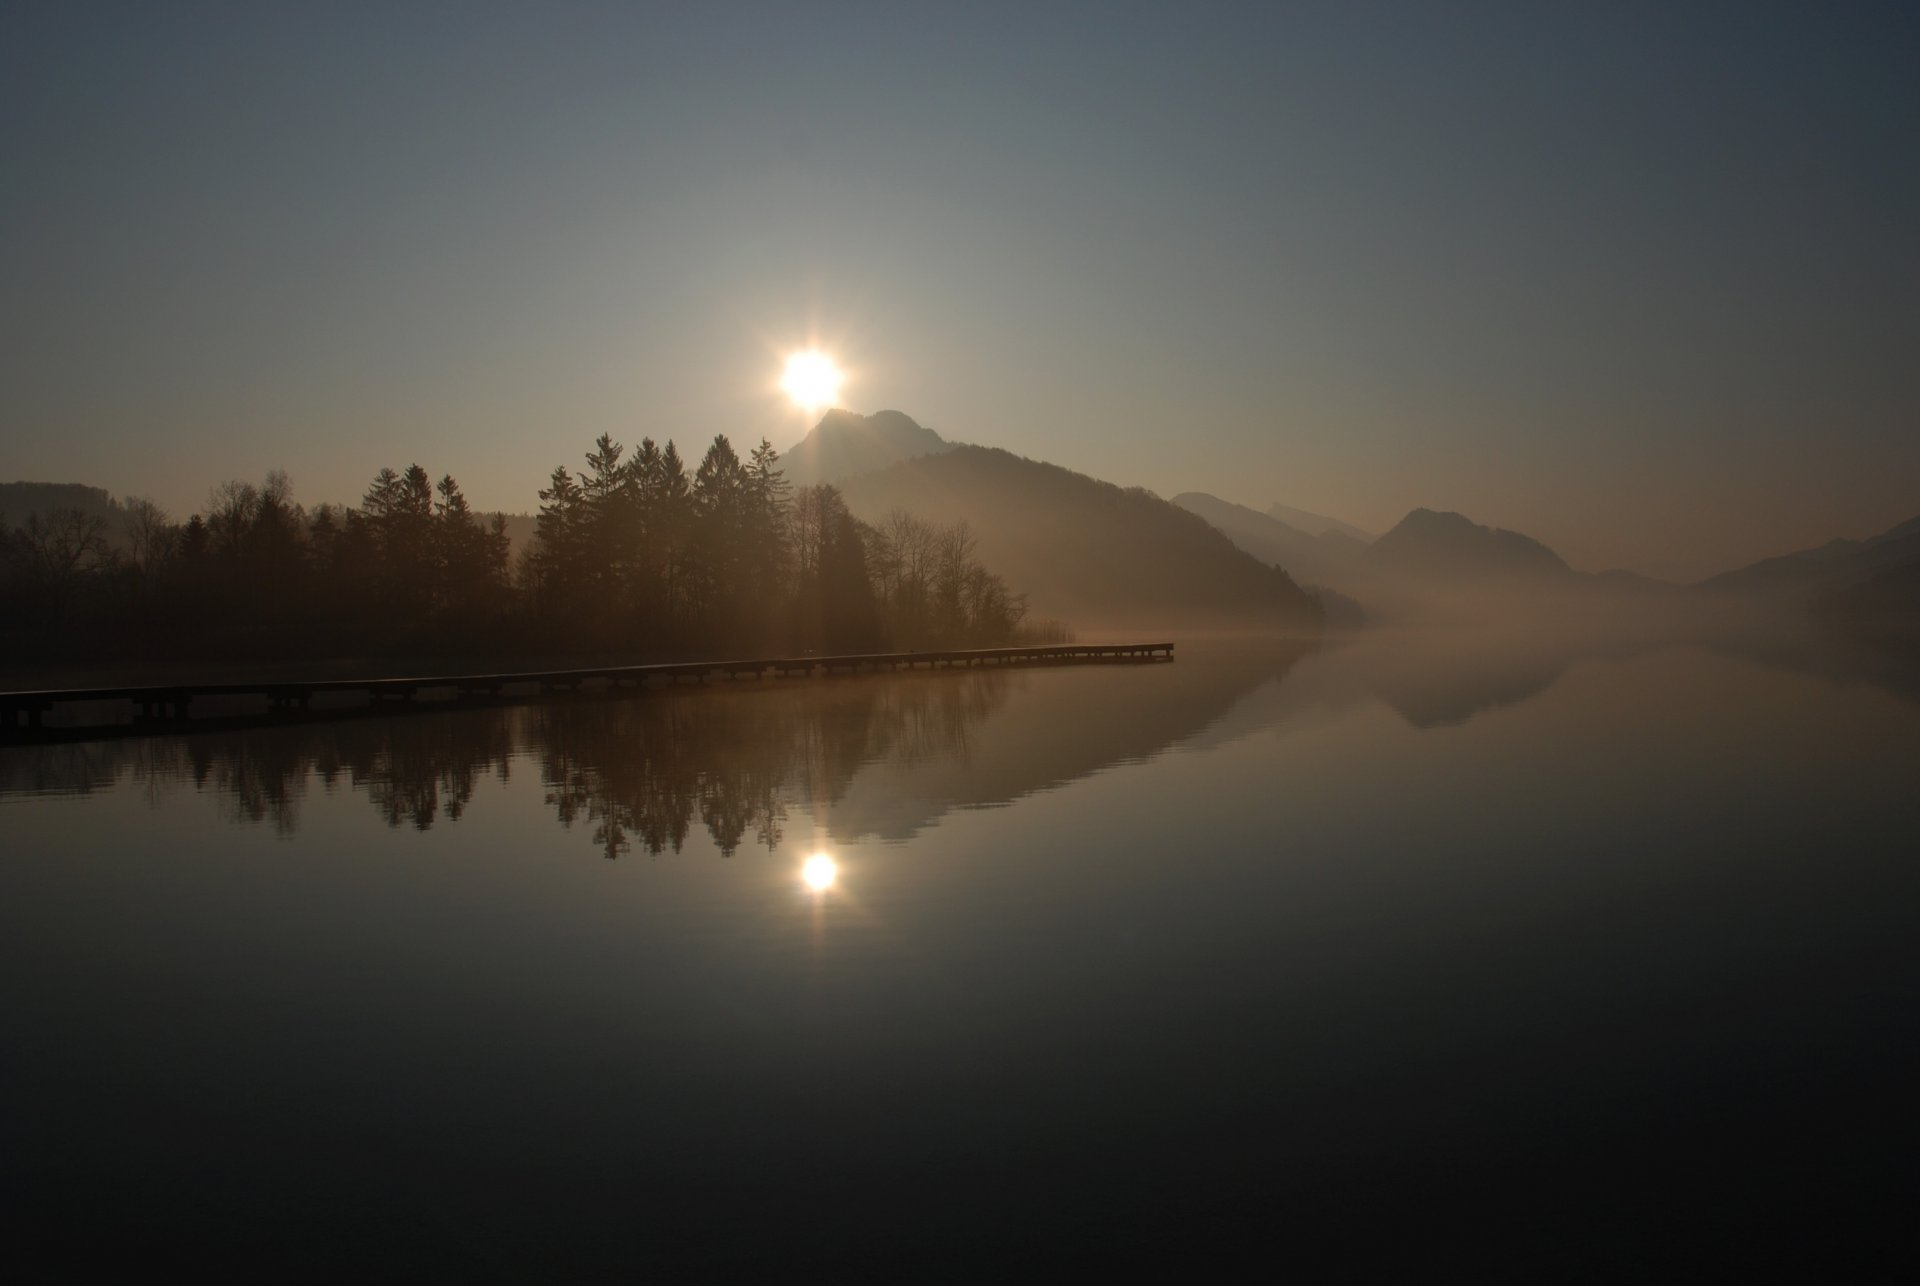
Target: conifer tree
x,y
560,527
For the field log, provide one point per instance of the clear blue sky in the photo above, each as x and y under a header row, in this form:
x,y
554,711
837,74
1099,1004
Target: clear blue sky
x,y
1641,281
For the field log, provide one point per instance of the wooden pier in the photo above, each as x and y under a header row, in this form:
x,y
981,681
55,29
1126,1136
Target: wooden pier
x,y
171,706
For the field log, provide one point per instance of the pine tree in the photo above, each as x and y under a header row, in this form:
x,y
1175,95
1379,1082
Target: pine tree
x,y
645,483
673,522
561,525
459,548
606,494
720,512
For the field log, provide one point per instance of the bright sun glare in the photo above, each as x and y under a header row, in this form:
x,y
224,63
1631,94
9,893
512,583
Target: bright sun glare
x,y
818,872
812,380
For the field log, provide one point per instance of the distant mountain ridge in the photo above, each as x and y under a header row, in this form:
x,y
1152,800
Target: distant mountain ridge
x,y
1872,583
1084,551
1317,524
845,444
1890,594
19,499
1834,566
1331,558
1430,563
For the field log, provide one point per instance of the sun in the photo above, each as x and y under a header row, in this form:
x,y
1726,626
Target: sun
x,y
812,380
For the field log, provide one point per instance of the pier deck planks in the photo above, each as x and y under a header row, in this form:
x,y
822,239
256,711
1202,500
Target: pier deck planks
x,y
23,714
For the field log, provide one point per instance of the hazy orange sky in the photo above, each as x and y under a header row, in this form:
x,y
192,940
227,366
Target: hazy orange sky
x,y
1640,282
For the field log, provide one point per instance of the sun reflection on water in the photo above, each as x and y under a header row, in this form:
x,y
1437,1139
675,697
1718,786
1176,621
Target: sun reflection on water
x,y
819,872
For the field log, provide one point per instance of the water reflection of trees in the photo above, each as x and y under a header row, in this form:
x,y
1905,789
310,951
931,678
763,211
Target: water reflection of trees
x,y
414,771
641,771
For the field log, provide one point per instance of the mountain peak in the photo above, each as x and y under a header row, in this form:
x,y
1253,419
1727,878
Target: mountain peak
x,y
845,444
1432,543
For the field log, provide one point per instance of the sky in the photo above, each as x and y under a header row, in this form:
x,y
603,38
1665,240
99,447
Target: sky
x,y
1640,281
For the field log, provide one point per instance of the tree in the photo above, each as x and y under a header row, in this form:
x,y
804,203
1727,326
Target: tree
x,y
276,547
952,559
382,498
634,550
470,561
608,494
931,589
561,527
673,527
151,537
231,506
195,540
833,602
646,484
720,512
323,539
904,549
62,546
767,528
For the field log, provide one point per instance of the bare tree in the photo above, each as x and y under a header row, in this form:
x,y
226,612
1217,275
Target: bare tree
x,y
151,536
806,524
65,544
231,507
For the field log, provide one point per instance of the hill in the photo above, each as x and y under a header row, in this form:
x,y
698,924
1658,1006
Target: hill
x,y
1317,524
845,445
1443,564
19,499
1331,558
1834,567
1890,596
1431,547
1093,554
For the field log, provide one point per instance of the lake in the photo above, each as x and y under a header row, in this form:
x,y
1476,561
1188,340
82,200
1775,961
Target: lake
x,y
1428,949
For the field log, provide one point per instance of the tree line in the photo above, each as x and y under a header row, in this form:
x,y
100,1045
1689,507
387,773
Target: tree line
x,y
633,555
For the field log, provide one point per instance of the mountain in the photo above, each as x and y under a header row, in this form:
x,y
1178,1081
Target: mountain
x,y
1317,524
1835,566
1430,562
1889,596
19,499
1085,551
844,445
1331,559
1446,564
1428,548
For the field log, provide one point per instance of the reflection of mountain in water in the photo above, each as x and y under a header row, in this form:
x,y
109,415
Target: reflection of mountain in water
x,y
1888,662
1442,678
1056,728
872,757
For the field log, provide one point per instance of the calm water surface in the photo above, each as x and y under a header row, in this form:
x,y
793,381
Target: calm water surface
x,y
1421,950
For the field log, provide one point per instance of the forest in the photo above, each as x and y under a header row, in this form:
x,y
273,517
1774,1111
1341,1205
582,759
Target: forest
x,y
634,555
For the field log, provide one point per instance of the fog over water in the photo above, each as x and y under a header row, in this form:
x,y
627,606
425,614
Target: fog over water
x,y
1613,942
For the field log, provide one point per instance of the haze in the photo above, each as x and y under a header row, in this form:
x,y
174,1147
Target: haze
x,y
1638,283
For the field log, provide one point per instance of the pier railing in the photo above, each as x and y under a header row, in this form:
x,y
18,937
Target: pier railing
x,y
23,715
